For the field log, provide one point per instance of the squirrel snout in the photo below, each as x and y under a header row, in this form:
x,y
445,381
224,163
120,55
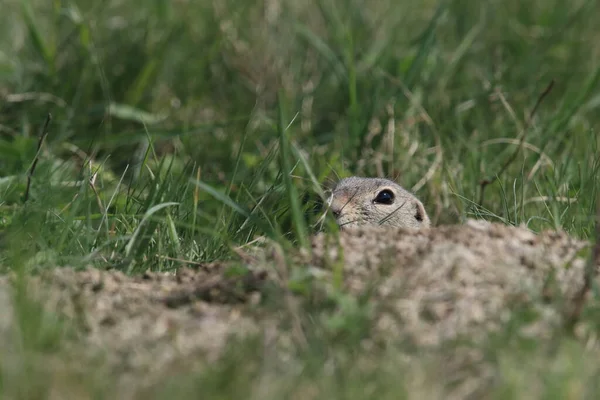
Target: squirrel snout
x,y
336,207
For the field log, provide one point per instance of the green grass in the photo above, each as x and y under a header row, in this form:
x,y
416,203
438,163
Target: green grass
x,y
183,129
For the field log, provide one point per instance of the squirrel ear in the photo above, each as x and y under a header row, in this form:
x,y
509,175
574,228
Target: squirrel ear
x,y
419,211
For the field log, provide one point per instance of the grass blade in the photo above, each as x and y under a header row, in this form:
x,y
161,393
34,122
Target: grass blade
x,y
133,242
291,191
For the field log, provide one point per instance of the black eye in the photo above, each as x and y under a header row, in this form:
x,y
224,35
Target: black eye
x,y
386,196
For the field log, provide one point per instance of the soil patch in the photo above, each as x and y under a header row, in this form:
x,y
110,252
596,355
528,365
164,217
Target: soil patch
x,y
424,287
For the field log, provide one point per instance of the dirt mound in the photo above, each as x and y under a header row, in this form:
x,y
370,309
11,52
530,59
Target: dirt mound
x,y
140,326
425,287
440,283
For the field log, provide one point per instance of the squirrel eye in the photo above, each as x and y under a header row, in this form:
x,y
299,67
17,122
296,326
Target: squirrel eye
x,y
386,196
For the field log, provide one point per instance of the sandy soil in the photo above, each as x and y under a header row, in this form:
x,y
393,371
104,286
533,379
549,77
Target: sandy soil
x,y
426,288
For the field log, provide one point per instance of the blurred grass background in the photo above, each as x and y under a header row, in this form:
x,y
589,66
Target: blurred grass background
x,y
155,100
181,129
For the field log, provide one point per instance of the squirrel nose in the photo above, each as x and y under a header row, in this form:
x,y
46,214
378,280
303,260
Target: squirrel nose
x,y
336,209
335,205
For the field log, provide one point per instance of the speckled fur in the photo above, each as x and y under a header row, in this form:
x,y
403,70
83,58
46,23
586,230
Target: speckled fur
x,y
352,201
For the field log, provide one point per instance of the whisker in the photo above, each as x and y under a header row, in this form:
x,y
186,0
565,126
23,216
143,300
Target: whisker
x,y
349,222
387,217
349,200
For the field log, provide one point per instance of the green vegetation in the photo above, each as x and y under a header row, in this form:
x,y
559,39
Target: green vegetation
x,y
181,130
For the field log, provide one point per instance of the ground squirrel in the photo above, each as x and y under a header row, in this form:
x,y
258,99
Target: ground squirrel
x,y
359,201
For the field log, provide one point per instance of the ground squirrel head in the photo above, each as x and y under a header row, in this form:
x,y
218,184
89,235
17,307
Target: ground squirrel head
x,y
374,201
